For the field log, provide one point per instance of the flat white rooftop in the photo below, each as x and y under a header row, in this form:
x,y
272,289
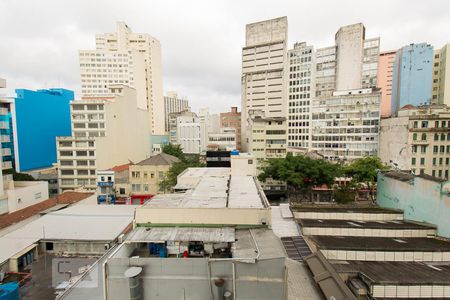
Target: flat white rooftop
x,y
76,223
215,192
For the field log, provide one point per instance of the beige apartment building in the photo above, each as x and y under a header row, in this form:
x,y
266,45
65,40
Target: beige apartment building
x,y
268,139
106,131
145,176
418,140
127,58
441,76
263,73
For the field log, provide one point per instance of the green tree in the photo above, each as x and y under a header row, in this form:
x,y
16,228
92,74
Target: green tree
x,y
300,173
174,150
364,171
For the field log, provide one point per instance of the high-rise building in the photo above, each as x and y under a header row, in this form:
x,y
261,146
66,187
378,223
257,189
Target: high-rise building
x,y
106,132
34,142
384,78
345,112
345,125
417,139
189,133
232,119
412,82
441,76
172,104
263,72
128,58
301,89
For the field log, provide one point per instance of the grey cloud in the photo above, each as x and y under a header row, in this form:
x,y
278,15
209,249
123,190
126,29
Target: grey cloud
x,y
201,40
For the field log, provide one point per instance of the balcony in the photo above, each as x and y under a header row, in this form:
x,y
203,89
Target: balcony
x,y
6,165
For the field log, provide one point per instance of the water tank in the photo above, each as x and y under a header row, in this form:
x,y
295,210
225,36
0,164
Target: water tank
x,y
134,281
234,152
9,291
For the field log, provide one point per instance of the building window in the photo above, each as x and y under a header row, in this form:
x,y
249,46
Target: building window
x,y
413,161
424,136
436,137
422,161
414,136
135,174
152,175
424,124
435,149
433,173
416,124
434,161
250,161
135,187
145,187
424,149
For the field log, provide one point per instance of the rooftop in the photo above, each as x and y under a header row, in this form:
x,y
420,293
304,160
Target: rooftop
x,y
181,234
121,168
161,159
380,243
401,273
78,222
221,191
397,224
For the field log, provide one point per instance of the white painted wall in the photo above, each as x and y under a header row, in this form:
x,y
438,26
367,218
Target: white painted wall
x,y
26,193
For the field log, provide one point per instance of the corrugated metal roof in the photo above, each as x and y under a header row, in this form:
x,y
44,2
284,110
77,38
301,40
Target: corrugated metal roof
x,y
78,222
182,234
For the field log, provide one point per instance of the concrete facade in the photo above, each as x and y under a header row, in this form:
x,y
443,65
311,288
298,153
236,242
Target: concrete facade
x,y
422,199
173,104
345,126
301,62
263,72
413,64
105,132
384,79
441,77
232,119
128,58
417,140
268,139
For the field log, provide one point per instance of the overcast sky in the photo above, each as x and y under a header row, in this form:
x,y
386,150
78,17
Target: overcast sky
x,y
201,40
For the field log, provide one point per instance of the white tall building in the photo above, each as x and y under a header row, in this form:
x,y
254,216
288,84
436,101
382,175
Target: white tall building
x,y
106,132
189,134
128,58
263,72
301,62
173,104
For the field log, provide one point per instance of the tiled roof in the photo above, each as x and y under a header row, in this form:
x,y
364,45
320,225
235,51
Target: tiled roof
x,y
121,167
159,160
20,215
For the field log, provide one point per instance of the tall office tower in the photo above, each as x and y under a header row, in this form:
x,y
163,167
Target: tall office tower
x,y
345,111
384,79
301,89
325,71
441,76
412,83
172,104
349,43
232,119
106,132
128,58
263,72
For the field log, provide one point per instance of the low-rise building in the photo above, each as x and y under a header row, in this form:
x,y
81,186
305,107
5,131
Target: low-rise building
x,y
105,187
225,140
268,139
232,119
417,140
145,176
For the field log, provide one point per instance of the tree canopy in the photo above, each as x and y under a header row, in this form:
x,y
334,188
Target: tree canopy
x,y
365,169
300,171
174,150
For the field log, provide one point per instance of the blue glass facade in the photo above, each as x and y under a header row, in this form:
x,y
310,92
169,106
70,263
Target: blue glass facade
x,y
40,116
412,78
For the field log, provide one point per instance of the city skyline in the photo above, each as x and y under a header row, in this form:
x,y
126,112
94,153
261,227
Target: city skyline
x,y
42,55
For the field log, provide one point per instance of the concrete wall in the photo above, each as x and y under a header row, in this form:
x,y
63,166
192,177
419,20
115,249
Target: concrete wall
x,y
229,216
79,247
26,193
393,144
347,216
336,231
181,278
386,255
422,200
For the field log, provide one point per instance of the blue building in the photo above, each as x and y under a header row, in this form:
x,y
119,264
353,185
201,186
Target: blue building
x,y
412,78
39,117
